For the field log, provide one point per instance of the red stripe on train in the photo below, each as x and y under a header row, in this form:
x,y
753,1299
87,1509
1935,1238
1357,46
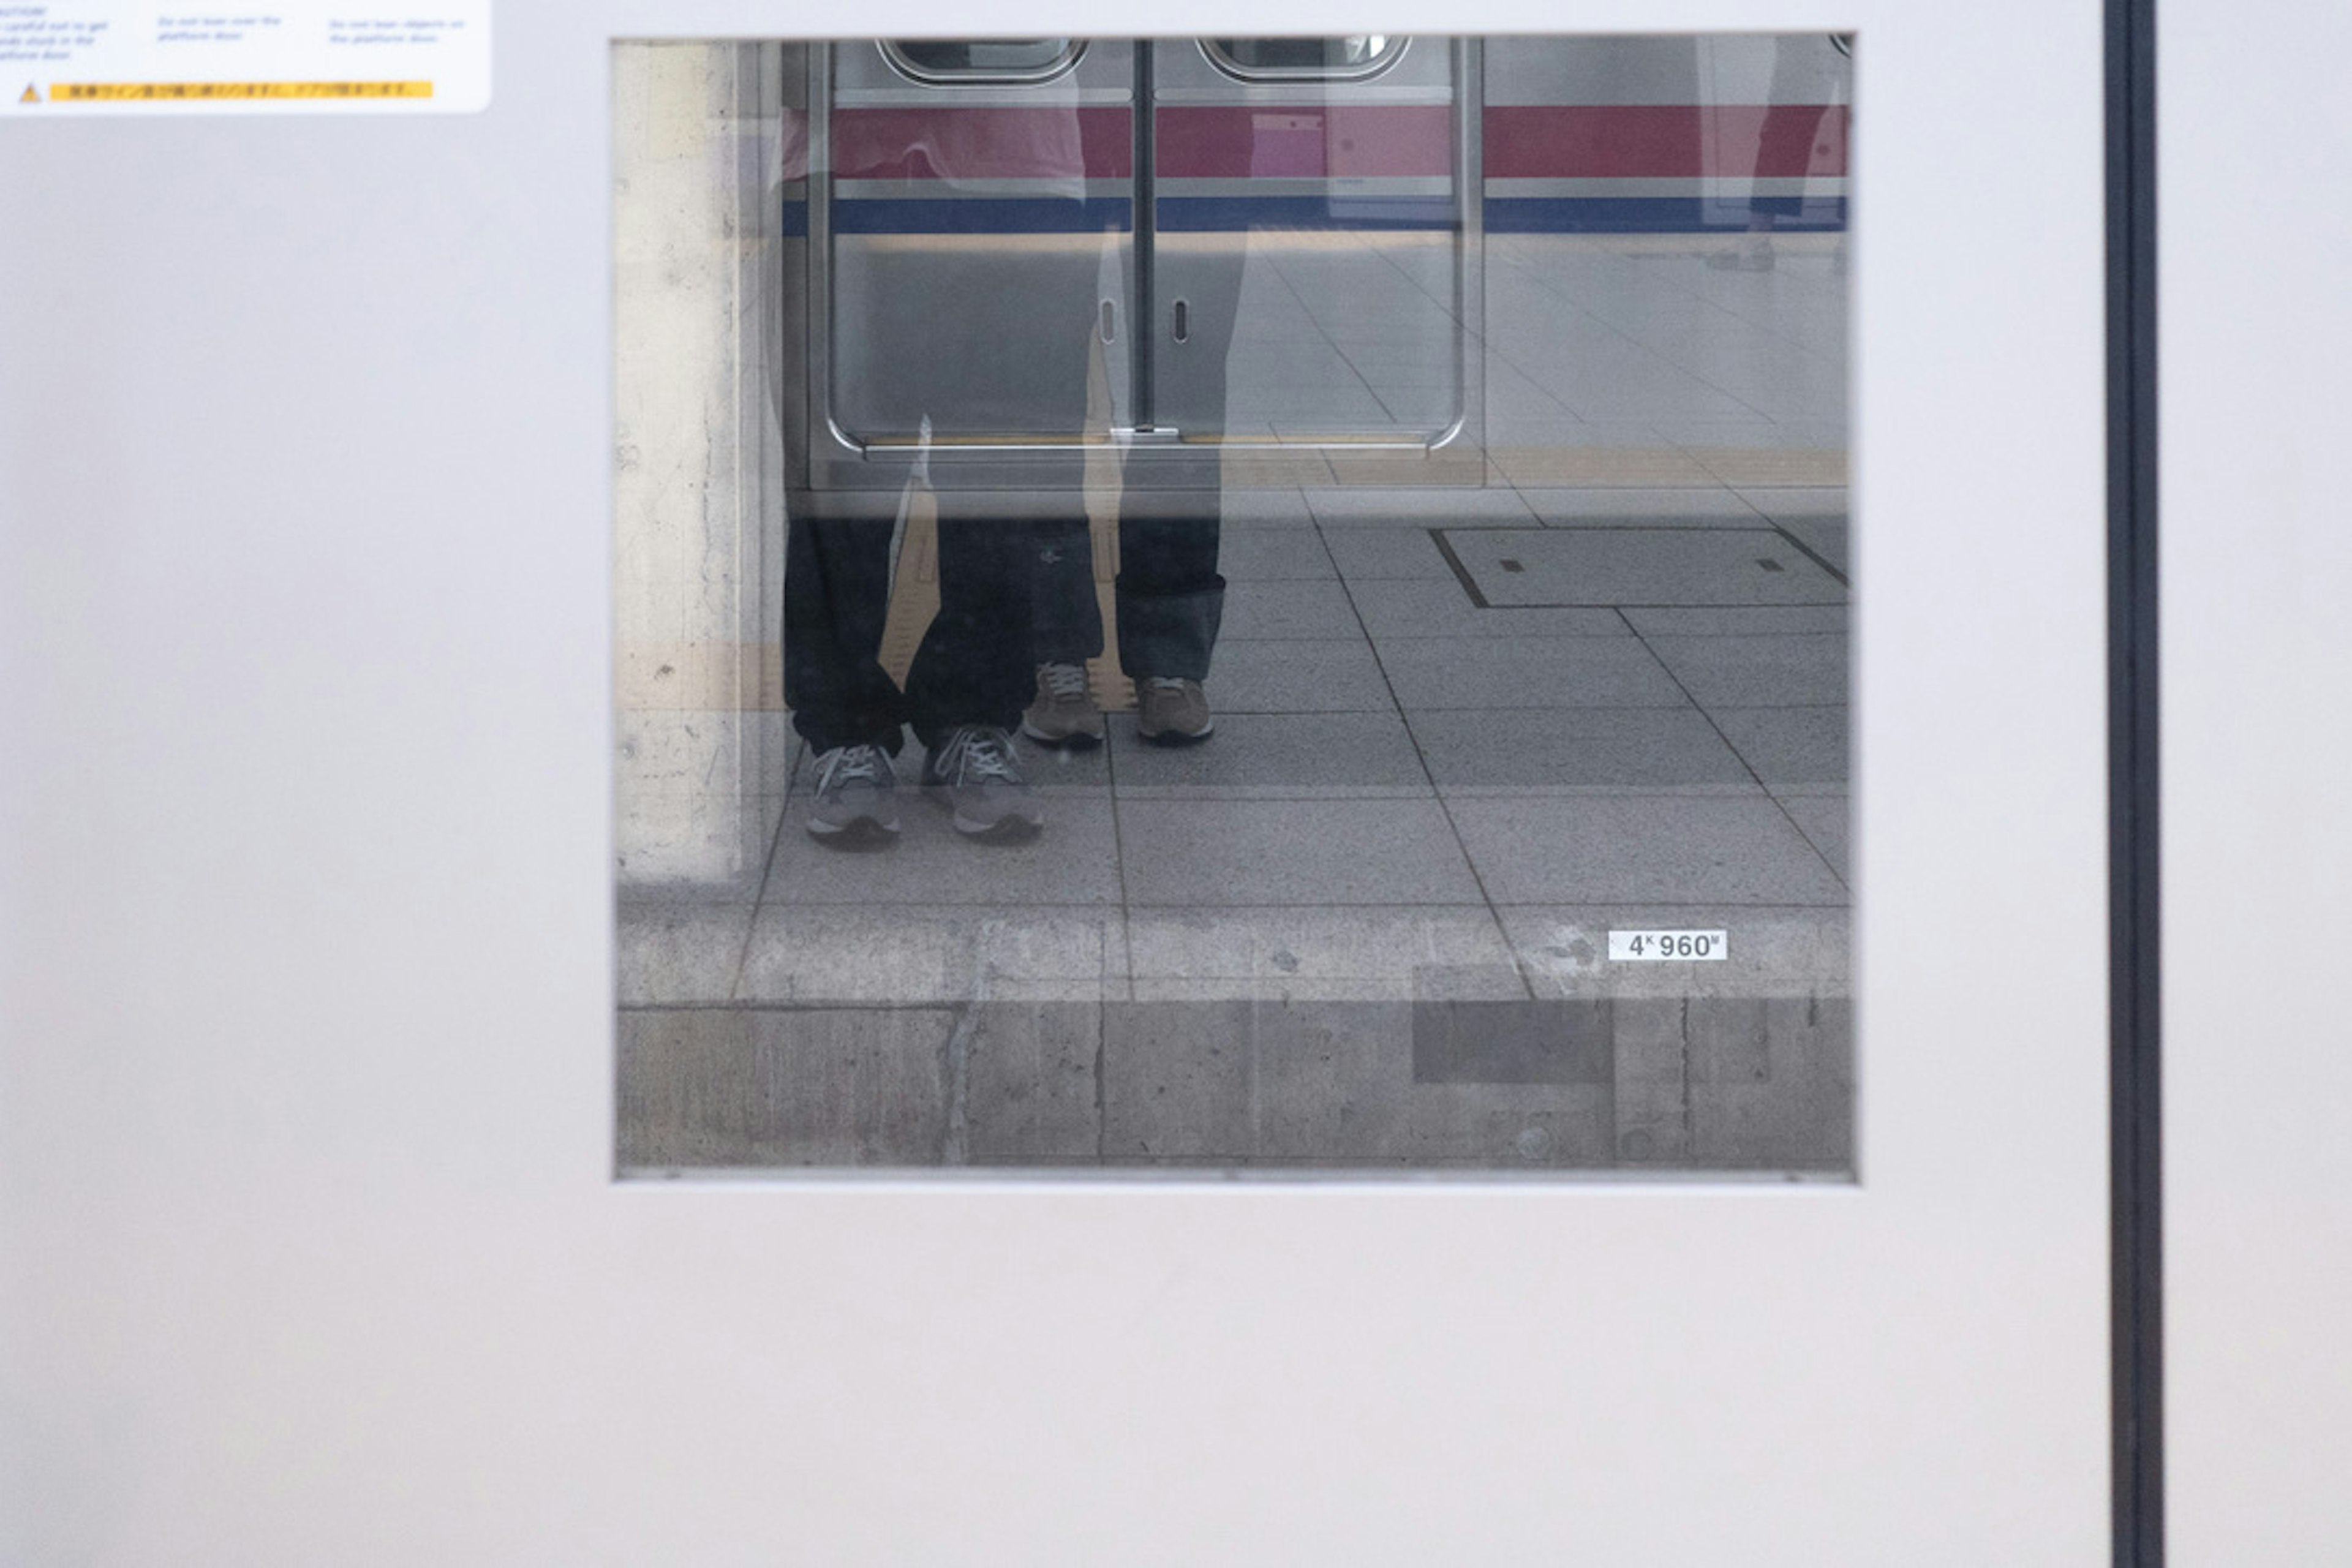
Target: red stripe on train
x,y
982,143
1311,142
1673,141
1341,140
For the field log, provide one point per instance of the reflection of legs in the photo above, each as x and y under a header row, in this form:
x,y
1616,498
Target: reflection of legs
x,y
1065,616
970,677
974,665
1171,598
1065,631
836,593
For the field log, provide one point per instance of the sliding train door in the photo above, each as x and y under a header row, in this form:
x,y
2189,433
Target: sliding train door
x,y
1308,236
1010,264
973,230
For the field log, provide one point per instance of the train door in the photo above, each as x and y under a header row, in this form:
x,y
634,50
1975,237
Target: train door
x,y
1010,264
1307,241
975,234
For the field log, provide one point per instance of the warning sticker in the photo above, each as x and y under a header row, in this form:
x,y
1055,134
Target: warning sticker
x,y
298,57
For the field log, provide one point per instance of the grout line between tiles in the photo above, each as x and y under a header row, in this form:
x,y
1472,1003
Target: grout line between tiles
x,y
1461,845
1777,804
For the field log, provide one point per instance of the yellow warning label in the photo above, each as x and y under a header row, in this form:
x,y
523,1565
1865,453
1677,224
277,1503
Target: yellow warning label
x,y
31,95
117,91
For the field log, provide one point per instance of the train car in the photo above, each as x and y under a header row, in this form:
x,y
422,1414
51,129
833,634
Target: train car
x,y
1244,260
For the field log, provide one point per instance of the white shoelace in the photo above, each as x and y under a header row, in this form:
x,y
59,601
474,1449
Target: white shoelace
x,y
849,765
1164,682
1063,679
976,754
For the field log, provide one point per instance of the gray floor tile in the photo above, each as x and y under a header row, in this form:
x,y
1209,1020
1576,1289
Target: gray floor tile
x,y
1343,509
1029,1081
1722,621
749,1088
1604,456
1245,852
1487,983
1289,610
904,954
1525,672
1073,861
1323,1083
1424,951
1800,751
1682,849
1828,538
1641,566
1714,507
1277,509
1365,553
1441,607
679,848
679,952
1273,555
1517,750
1736,1082
1271,755
1828,821
1794,503
1806,670
1784,430
1284,677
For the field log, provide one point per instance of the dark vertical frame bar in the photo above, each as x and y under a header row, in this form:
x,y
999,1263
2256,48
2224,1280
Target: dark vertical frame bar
x,y
1143,345
2135,1060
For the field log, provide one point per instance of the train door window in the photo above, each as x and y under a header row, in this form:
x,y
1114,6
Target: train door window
x,y
1281,59
981,60
1316,571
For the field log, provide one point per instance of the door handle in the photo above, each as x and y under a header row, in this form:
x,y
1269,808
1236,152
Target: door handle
x,y
1109,321
1179,323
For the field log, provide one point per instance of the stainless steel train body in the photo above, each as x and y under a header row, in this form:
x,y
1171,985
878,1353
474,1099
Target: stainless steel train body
x,y
1278,267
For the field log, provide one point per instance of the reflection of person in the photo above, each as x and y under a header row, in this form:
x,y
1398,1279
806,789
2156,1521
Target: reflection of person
x,y
963,692
1804,126
1168,600
1018,616
1167,597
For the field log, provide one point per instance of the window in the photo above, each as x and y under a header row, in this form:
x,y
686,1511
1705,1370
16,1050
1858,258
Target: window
x,y
982,59
1269,59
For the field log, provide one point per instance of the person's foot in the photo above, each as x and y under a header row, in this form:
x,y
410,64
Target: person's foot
x,y
1754,255
1065,714
856,799
973,774
1171,712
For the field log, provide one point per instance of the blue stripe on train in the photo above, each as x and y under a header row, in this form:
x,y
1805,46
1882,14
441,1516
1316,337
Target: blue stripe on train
x,y
992,215
1656,215
1210,215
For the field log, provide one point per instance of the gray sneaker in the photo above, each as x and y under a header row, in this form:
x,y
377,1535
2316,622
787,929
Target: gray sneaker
x,y
856,799
1171,712
975,775
1065,714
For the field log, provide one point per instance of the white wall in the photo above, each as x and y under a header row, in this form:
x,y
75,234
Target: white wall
x,y
2257,562
306,859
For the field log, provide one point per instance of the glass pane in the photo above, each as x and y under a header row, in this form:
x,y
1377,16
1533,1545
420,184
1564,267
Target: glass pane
x,y
1302,56
982,59
1159,629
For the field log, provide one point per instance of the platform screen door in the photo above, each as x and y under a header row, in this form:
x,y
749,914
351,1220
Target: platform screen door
x,y
316,1242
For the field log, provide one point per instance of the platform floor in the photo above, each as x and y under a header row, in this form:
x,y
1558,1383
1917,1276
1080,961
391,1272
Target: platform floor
x,y
1462,735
